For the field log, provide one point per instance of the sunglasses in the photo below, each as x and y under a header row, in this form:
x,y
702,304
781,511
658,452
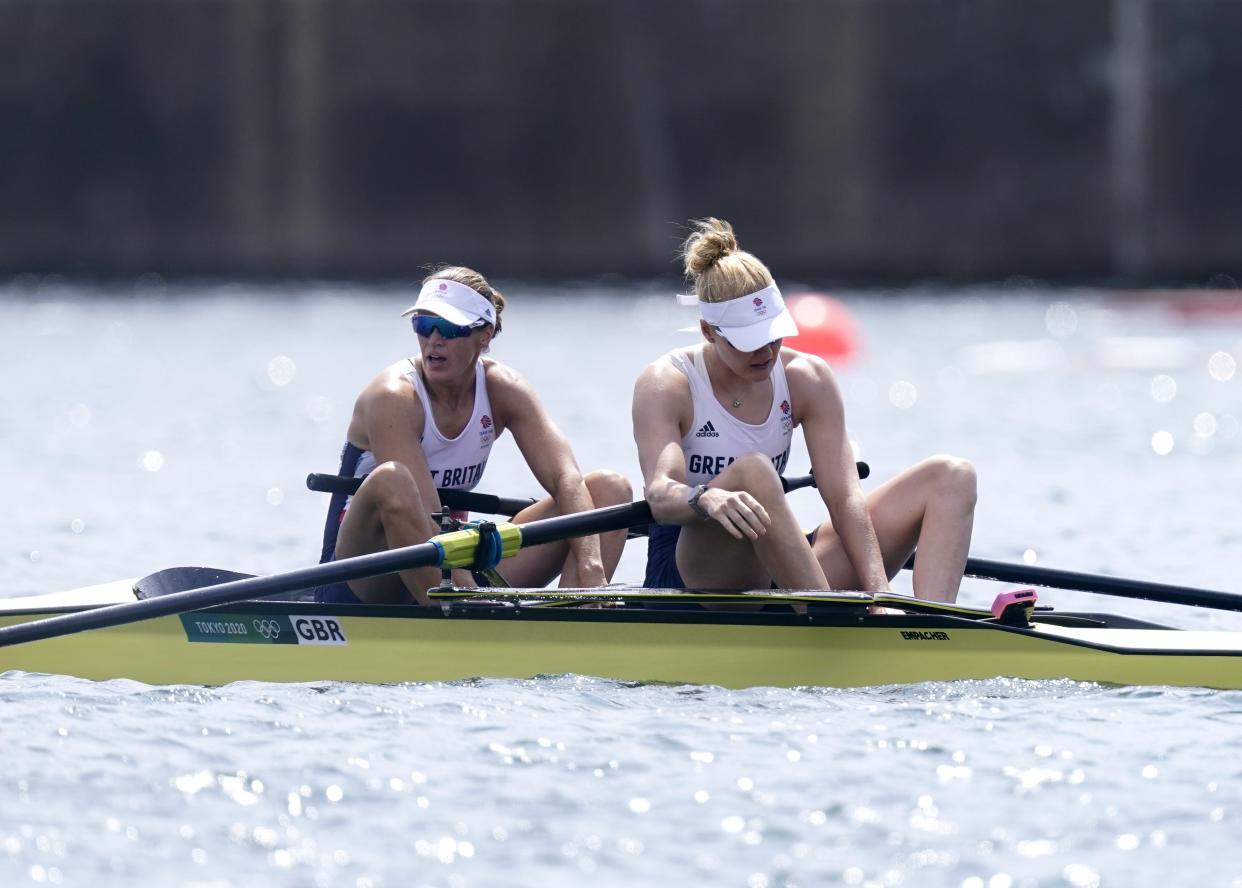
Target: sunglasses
x,y
735,348
425,324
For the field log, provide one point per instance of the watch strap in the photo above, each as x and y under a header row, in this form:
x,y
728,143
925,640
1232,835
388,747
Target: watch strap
x,y
693,502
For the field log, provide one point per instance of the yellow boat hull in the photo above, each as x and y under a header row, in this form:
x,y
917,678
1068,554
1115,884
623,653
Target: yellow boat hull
x,y
295,642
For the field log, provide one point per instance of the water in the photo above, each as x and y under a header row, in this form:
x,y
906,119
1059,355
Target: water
x,y
177,429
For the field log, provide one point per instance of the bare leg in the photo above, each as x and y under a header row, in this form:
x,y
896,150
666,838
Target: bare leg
x,y
708,557
930,506
539,565
388,513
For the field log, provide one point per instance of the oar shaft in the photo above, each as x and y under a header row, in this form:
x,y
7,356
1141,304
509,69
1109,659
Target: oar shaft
x,y
496,505
1053,578
620,517
499,505
1103,585
420,555
224,593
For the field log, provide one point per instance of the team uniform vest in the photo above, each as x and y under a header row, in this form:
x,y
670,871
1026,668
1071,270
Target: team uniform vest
x,y
456,463
715,439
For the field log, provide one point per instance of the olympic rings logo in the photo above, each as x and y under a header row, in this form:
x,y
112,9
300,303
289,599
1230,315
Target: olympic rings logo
x,y
269,629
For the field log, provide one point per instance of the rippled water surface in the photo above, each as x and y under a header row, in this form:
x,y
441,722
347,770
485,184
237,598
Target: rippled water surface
x,y
176,428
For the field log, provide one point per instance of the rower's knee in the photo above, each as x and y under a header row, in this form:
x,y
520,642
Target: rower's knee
x,y
954,477
755,474
608,488
393,489
390,475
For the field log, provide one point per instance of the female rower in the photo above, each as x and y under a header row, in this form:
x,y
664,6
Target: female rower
x,y
430,421
713,424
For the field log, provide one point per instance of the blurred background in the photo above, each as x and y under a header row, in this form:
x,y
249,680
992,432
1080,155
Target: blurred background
x,y
865,142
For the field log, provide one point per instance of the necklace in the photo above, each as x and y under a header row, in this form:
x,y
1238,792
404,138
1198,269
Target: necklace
x,y
737,402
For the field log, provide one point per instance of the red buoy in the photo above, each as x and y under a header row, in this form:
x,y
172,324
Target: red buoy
x,y
825,327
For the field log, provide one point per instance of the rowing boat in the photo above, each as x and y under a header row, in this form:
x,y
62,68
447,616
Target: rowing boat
x,y
829,639
187,625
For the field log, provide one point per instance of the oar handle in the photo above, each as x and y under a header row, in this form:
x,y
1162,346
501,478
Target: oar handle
x,y
792,484
453,499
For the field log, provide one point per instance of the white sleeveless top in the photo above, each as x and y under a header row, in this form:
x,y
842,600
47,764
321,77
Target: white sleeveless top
x,y
717,437
456,463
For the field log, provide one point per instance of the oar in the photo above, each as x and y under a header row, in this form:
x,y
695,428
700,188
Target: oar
x,y
1028,574
498,505
456,549
452,499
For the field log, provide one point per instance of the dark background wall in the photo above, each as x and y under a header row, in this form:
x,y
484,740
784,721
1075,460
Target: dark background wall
x,y
853,139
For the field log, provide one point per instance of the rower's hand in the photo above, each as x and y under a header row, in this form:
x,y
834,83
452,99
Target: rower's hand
x,y
737,512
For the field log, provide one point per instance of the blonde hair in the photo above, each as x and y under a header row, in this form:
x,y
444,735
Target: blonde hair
x,y
474,281
719,269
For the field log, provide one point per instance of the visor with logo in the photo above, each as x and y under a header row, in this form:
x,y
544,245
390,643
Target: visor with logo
x,y
454,302
752,321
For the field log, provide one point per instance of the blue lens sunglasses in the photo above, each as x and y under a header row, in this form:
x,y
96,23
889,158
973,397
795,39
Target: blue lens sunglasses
x,y
425,324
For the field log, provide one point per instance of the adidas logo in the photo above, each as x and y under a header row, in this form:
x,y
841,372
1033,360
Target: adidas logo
x,y
708,431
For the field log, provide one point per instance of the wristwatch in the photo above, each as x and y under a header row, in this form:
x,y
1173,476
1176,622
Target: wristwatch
x,y
693,502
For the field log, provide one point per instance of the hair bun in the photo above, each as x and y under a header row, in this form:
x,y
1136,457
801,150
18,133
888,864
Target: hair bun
x,y
712,240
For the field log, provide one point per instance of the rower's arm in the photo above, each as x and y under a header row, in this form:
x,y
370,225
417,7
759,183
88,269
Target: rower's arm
x,y
817,398
390,417
551,460
660,396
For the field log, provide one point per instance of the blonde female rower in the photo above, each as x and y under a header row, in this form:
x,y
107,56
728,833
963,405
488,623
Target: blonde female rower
x,y
713,424
429,422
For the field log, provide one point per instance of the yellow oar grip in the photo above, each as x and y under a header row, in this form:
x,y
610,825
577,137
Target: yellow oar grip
x,y
459,545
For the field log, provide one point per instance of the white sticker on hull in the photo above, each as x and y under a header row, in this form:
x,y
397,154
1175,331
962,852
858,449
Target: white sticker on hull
x,y
318,630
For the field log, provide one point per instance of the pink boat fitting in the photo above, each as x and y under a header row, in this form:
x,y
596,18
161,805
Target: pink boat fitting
x,y
1014,608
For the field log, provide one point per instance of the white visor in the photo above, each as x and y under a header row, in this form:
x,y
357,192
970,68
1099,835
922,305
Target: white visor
x,y
456,303
751,321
